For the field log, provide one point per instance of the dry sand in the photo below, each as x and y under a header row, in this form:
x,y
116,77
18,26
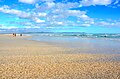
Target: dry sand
x,y
24,59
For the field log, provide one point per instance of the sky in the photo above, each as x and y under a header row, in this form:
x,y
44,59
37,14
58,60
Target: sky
x,y
90,16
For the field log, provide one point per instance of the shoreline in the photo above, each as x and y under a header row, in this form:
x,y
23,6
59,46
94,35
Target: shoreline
x,y
20,58
82,45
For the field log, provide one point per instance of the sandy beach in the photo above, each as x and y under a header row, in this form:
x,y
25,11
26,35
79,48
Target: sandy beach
x,y
26,59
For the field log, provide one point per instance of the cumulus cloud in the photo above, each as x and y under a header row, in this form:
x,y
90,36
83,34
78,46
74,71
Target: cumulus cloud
x,y
8,27
55,15
22,14
50,4
108,23
28,1
116,2
37,20
58,14
51,14
67,5
95,2
42,14
35,1
103,23
19,13
67,13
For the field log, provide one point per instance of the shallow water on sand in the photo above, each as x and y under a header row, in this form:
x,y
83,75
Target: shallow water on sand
x,y
82,45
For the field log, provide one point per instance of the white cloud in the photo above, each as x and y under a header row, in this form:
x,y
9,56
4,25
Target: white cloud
x,y
8,27
37,5
67,5
103,23
81,15
58,14
76,12
55,15
7,10
60,23
95,2
50,4
37,20
29,27
116,2
86,25
28,1
42,14
35,1
112,23
47,0
22,14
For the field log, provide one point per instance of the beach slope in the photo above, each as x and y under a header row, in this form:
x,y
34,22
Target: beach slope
x,y
25,59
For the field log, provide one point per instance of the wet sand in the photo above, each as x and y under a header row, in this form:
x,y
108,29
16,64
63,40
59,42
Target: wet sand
x,y
25,59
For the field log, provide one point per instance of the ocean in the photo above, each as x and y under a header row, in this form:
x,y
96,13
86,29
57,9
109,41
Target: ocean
x,y
81,42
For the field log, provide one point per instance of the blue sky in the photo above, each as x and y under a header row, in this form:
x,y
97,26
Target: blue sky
x,y
91,16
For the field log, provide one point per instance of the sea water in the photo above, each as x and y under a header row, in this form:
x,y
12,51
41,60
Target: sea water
x,y
81,42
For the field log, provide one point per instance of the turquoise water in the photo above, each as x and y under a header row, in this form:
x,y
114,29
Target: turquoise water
x,y
76,34
82,42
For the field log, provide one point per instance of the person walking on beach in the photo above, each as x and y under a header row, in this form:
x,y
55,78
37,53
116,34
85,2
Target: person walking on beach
x,y
21,34
14,34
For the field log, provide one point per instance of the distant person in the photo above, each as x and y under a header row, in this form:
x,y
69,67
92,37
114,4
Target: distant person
x,y
20,34
15,34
